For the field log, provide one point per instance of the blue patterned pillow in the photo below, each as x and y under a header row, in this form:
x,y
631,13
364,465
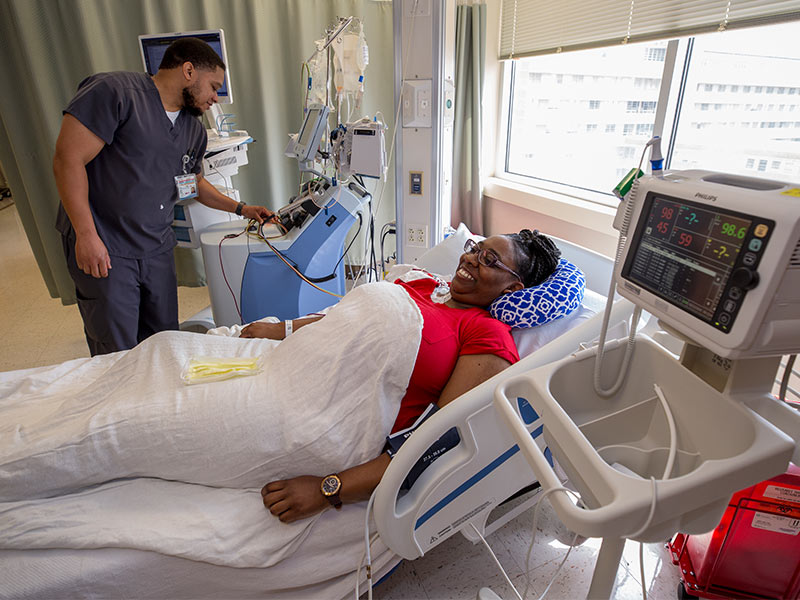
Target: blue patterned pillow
x,y
556,297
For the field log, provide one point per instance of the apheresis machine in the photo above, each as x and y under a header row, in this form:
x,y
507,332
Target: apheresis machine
x,y
653,442
295,266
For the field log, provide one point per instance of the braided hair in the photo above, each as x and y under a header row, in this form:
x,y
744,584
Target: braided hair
x,y
537,256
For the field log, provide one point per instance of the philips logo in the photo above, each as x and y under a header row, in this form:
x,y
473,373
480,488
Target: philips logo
x,y
706,197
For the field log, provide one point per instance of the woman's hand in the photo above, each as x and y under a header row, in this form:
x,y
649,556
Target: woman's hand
x,y
294,499
271,331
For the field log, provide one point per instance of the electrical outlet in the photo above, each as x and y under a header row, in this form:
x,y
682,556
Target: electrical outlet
x,y
417,235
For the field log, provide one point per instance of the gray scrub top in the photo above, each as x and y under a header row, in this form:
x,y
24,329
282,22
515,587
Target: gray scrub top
x,y
132,191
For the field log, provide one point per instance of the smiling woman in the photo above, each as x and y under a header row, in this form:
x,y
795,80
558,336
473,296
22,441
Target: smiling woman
x,y
461,347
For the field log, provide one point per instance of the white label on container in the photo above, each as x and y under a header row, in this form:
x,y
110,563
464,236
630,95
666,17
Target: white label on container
x,y
782,493
776,523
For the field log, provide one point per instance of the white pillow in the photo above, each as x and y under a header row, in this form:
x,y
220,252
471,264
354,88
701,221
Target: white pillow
x,y
442,259
530,339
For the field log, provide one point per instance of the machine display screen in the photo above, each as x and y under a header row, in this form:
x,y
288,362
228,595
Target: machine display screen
x,y
309,124
685,252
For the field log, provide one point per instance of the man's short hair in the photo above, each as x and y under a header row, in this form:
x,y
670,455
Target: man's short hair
x,y
193,50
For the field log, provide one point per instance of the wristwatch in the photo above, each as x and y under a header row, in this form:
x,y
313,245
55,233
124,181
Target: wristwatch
x,y
239,208
330,487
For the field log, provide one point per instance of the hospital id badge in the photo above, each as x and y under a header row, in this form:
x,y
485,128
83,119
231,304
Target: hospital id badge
x,y
187,186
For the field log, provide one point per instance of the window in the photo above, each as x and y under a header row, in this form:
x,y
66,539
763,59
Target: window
x,y
565,140
704,125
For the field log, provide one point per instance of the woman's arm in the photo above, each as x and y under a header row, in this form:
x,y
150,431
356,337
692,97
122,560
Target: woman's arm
x,y
301,497
275,331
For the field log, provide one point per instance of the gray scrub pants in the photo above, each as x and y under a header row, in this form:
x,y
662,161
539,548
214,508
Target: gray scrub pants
x,y
137,299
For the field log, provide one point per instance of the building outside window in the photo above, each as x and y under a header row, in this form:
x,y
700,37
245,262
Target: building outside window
x,y
723,77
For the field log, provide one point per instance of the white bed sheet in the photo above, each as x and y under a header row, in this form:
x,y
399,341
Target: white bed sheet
x,y
323,567
93,525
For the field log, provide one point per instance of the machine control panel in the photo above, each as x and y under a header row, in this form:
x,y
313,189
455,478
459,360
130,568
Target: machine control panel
x,y
700,258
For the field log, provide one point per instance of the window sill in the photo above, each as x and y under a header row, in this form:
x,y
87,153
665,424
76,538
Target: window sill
x,y
572,209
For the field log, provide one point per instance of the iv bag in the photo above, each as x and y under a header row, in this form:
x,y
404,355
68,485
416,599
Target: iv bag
x,y
351,57
317,68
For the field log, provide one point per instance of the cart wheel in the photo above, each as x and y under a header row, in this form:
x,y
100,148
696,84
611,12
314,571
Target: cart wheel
x,y
683,594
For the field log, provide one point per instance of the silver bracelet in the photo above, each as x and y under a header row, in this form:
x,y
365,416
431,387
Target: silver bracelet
x,y
288,328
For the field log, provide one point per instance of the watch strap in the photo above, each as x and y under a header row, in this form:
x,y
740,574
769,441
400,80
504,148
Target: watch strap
x,y
335,501
239,208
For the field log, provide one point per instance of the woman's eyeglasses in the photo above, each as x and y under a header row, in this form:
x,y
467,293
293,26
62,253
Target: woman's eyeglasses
x,y
487,258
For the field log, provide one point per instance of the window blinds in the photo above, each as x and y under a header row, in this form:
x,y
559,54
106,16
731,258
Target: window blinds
x,y
532,27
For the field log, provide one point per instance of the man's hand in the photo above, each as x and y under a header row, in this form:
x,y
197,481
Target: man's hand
x,y
270,331
294,499
92,256
257,213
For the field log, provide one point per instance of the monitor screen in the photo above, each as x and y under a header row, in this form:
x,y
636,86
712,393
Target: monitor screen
x,y
309,125
153,47
685,253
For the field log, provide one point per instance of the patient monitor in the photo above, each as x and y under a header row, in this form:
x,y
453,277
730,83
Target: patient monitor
x,y
717,258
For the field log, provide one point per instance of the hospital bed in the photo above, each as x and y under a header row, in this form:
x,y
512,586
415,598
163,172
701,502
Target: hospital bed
x,y
457,491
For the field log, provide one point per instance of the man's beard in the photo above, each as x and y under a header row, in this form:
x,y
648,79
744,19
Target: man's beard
x,y
190,104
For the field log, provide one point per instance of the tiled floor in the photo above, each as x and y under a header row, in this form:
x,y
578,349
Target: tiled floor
x,y
38,330
457,569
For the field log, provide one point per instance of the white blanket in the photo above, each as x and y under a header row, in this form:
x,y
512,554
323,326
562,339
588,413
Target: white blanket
x,y
116,451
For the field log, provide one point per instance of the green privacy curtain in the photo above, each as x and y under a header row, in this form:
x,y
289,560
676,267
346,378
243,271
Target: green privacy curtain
x,y
49,46
470,59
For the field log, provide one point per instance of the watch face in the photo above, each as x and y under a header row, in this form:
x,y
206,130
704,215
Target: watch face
x,y
330,485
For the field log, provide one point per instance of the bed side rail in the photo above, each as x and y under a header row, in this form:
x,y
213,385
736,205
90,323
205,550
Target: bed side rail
x,y
463,485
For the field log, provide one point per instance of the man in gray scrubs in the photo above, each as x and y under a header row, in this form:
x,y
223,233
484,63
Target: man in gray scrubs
x,y
129,148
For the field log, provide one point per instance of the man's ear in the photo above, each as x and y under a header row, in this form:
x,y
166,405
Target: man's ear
x,y
188,70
